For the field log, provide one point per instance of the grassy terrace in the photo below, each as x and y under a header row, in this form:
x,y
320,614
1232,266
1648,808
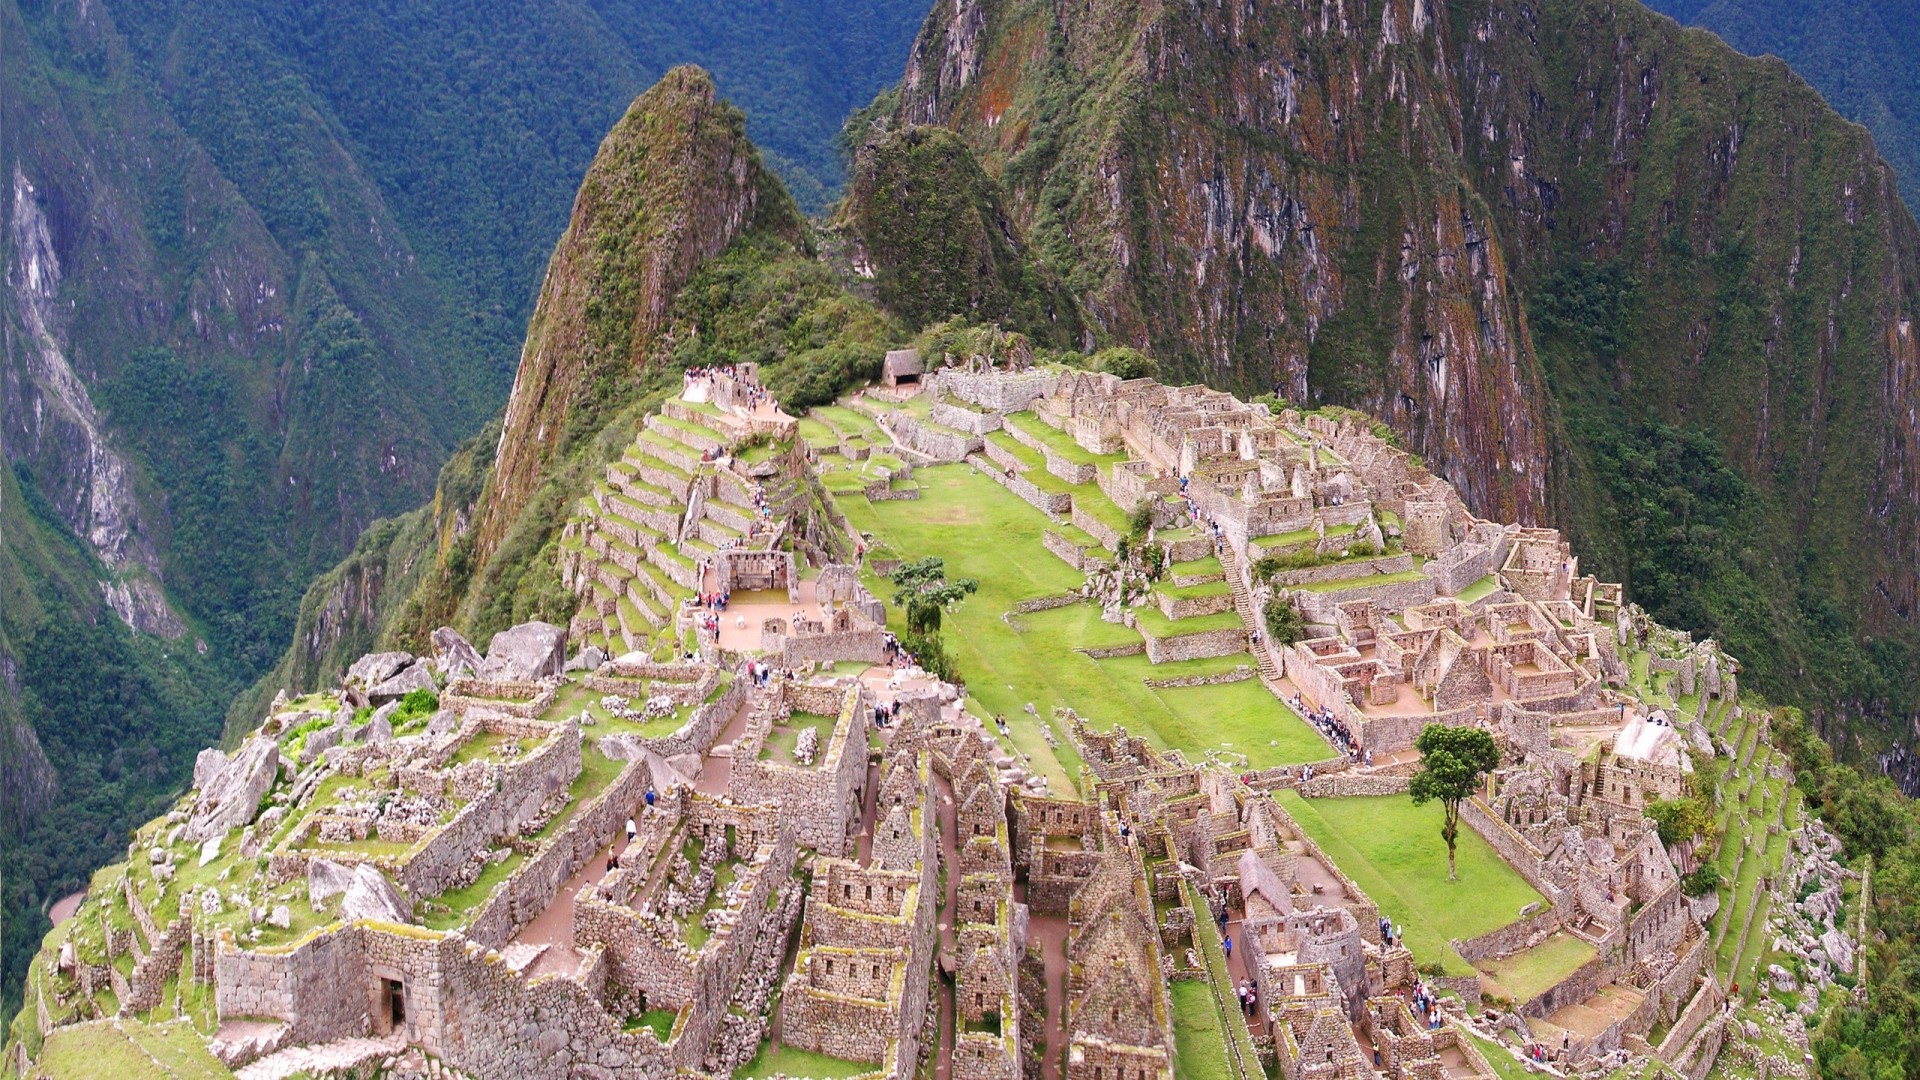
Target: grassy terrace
x,y
791,1061
784,737
1059,442
129,1050
1032,658
1197,567
1393,850
850,423
1486,586
1531,971
1154,624
1343,584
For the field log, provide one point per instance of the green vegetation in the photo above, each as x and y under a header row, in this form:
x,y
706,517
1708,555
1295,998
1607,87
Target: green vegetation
x,y
1385,844
127,1048
1532,971
1199,1032
792,1061
941,241
1033,657
1452,761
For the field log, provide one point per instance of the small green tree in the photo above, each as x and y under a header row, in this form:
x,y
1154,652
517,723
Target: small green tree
x,y
1680,820
1126,362
1285,624
1452,761
922,588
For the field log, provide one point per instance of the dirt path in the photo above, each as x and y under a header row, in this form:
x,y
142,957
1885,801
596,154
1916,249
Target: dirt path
x,y
63,908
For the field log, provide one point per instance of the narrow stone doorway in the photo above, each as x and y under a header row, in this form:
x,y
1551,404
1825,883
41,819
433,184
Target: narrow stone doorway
x,y
396,1010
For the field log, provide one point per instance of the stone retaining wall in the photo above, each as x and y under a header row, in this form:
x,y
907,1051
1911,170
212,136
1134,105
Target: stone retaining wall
x,y
1190,607
1511,938
963,419
1207,643
1339,785
698,733
938,443
1047,603
1385,564
1069,552
524,787
531,889
1519,853
1094,527
1240,673
1390,597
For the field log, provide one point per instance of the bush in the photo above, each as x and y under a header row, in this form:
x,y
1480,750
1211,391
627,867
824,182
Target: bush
x,y
1701,881
1125,362
1285,624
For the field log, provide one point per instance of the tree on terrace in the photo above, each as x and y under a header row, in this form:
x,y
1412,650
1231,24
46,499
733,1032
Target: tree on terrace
x,y
922,588
1452,761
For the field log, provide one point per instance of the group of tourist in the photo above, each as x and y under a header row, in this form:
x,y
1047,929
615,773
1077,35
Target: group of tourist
x,y
1389,934
1330,725
1426,1005
1249,999
756,395
885,713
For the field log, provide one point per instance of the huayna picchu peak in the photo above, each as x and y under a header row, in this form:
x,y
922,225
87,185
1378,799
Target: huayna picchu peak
x,y
1323,539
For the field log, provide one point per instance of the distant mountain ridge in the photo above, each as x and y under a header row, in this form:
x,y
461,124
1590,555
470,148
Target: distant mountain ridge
x,y
1862,55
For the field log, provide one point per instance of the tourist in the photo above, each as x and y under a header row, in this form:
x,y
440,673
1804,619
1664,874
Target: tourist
x,y
633,830
1229,947
650,796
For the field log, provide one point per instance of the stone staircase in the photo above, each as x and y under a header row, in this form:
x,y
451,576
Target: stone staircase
x,y
338,1056
1250,616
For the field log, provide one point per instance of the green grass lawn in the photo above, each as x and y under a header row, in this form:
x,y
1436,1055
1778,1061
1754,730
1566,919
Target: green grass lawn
x,y
1484,587
1059,442
130,1050
1529,972
1033,659
1344,584
1393,850
1197,1032
784,738
790,1061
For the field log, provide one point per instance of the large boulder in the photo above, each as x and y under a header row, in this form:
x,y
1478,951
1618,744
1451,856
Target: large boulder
x,y
454,656
587,659
326,879
207,766
375,668
371,896
415,676
229,798
533,650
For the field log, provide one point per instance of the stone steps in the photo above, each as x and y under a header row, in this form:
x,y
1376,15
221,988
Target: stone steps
x,y
1249,617
338,1056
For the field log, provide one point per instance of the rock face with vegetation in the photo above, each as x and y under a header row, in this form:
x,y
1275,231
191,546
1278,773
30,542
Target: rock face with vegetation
x,y
675,182
1595,268
930,227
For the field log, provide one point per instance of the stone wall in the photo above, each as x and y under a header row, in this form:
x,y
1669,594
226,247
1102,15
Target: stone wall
x,y
1390,597
1109,538
698,733
531,889
319,987
1343,784
933,440
1000,391
964,419
1068,551
1188,607
1240,673
1516,849
1385,564
1510,938
524,787
1223,642
1004,468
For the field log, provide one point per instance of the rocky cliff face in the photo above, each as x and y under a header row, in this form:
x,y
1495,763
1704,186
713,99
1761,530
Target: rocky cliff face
x,y
1373,203
1266,197
673,184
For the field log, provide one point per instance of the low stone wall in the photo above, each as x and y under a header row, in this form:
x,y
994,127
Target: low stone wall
x,y
1054,504
531,889
698,733
1240,673
1364,910
1132,648
522,699
1390,597
933,440
1094,527
1207,643
1576,988
524,787
1338,785
963,419
1069,552
1510,939
1047,603
1385,564
866,646
1190,607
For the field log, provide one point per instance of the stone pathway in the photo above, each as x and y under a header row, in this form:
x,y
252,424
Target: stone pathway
x,y
341,1054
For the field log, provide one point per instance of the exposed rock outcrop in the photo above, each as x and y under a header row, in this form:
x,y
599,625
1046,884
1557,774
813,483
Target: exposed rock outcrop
x,y
230,797
534,650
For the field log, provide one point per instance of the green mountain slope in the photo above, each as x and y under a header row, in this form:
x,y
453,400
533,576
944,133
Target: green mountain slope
x,y
1860,54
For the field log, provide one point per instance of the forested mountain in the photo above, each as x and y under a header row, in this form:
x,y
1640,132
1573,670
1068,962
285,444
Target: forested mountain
x,y
1598,270
266,264
1862,55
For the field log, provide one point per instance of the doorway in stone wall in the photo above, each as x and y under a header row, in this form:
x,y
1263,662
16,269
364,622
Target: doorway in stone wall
x,y
395,993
